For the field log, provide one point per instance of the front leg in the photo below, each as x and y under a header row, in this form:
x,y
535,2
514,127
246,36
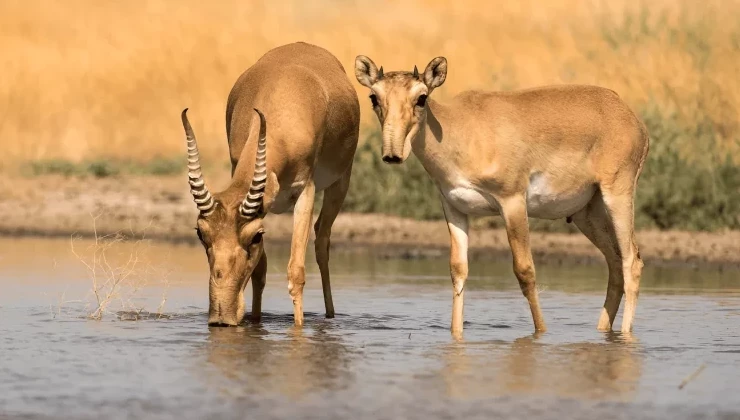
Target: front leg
x,y
457,223
514,210
302,215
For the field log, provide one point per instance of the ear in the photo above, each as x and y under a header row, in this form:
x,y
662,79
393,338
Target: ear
x,y
366,71
435,73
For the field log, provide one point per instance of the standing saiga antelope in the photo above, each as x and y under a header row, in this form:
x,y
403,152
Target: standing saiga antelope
x,y
553,152
301,139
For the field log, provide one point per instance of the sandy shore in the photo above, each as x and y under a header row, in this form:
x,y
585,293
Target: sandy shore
x,y
161,208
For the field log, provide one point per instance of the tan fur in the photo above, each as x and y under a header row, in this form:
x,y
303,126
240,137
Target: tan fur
x,y
549,152
312,124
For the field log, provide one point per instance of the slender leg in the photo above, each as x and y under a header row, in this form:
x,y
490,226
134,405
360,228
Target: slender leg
x,y
333,199
302,215
596,225
457,223
621,212
259,278
514,210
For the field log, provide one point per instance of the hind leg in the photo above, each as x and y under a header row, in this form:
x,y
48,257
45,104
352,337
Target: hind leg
x,y
594,222
514,211
619,203
333,200
259,278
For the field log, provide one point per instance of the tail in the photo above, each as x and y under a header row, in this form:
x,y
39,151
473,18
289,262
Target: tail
x,y
645,149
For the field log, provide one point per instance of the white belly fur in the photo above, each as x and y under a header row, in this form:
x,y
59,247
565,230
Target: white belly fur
x,y
542,201
468,200
545,203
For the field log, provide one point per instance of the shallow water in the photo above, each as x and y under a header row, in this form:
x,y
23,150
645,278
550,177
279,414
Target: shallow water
x,y
387,354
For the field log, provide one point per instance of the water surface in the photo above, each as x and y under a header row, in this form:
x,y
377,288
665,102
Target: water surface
x,y
387,354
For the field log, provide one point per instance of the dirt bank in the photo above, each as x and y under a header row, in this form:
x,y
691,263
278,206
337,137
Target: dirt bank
x,y
161,208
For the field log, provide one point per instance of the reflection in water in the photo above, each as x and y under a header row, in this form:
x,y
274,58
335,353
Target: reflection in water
x,y
607,370
251,361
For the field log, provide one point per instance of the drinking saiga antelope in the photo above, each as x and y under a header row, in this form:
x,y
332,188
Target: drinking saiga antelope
x,y
552,152
301,139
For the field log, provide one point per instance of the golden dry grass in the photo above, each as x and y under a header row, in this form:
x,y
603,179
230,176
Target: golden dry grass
x,y
89,79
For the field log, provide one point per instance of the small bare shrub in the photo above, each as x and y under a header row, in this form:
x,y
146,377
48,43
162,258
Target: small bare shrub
x,y
119,271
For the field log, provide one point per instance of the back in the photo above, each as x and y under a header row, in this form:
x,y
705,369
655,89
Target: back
x,y
551,118
549,106
299,80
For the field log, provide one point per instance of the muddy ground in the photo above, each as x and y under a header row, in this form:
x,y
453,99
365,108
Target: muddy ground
x,y
161,208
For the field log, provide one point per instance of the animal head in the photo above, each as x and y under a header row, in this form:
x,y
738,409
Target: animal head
x,y
399,99
231,230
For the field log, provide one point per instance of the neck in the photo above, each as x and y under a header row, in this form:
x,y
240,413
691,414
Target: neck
x,y
429,144
243,173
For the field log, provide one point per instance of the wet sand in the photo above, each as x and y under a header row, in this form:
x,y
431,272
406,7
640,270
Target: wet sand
x,y
161,208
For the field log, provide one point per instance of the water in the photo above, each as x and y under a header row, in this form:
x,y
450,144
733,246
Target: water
x,y
387,354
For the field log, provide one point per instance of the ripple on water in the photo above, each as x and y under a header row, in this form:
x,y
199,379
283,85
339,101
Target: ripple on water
x,y
387,354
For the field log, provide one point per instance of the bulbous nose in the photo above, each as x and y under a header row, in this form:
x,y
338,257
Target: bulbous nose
x,y
218,317
391,159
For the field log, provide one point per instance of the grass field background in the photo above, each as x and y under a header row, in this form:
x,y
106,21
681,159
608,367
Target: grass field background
x,y
95,88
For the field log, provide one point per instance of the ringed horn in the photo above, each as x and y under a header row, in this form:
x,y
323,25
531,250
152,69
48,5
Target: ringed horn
x,y
250,207
201,195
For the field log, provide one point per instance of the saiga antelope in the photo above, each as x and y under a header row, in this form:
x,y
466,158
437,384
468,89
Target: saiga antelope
x,y
301,140
552,152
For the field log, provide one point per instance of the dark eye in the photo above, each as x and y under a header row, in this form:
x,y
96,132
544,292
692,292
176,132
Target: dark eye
x,y
422,101
374,100
257,238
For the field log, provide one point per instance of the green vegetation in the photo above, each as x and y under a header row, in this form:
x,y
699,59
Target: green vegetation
x,y
687,183
404,190
103,168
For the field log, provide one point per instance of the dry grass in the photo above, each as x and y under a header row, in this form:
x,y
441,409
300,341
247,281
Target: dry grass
x,y
119,270
103,79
